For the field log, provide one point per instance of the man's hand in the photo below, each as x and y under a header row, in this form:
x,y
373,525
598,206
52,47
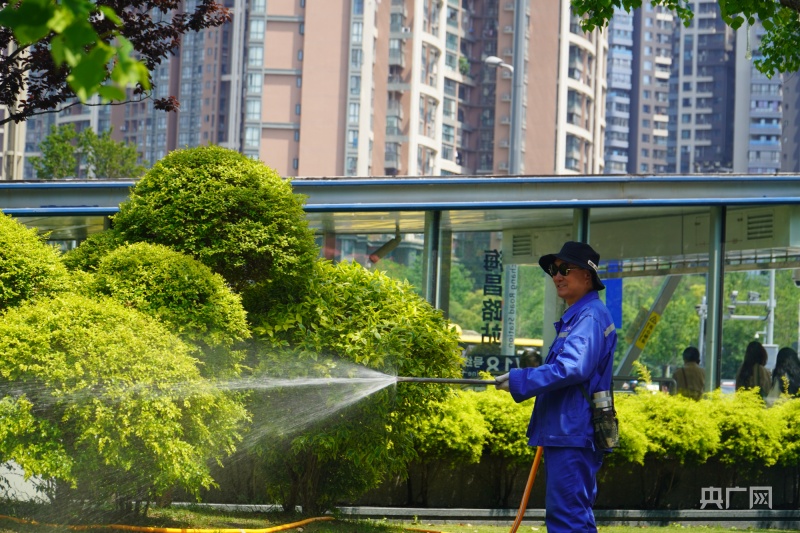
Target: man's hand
x,y
502,382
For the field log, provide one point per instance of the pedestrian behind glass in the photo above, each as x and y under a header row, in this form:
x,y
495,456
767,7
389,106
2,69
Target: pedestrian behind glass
x,y
691,378
786,375
753,373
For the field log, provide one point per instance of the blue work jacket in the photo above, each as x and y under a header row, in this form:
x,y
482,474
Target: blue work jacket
x,y
582,353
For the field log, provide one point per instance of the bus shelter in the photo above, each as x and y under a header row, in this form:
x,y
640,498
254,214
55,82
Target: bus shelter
x,y
641,225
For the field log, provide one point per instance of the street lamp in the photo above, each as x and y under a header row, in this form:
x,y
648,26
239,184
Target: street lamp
x,y
516,115
494,61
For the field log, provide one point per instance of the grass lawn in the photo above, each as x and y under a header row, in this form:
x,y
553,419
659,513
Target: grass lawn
x,y
209,519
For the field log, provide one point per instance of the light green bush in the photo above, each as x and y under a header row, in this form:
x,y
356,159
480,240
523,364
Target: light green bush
x,y
454,432
750,434
232,213
87,255
506,447
367,318
107,400
184,294
787,412
28,267
507,421
633,442
676,427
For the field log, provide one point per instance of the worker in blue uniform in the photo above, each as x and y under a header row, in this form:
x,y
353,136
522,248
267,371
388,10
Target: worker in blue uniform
x,y
578,364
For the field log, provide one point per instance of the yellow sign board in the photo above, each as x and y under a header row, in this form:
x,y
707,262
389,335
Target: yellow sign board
x,y
647,330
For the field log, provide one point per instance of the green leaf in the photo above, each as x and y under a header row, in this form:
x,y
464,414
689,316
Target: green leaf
x,y
110,93
90,72
29,21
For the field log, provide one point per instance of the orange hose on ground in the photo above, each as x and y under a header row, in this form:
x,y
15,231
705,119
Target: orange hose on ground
x,y
528,486
148,529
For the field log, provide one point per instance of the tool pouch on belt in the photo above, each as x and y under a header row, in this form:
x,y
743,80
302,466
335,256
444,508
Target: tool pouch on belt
x,y
604,420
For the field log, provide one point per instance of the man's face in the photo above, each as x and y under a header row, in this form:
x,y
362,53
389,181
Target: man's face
x,y
574,285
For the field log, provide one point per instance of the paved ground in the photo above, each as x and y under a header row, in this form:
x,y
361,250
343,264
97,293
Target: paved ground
x,y
774,519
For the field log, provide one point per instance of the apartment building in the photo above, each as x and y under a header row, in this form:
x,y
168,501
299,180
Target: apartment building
x,y
704,67
372,88
618,99
653,36
790,155
758,113
400,87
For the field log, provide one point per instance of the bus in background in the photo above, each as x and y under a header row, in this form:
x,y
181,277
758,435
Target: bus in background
x,y
482,356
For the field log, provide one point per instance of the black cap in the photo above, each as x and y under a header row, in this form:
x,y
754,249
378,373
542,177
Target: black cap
x,y
579,254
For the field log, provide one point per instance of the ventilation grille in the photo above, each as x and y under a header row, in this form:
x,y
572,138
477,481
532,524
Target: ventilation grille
x,y
760,226
522,244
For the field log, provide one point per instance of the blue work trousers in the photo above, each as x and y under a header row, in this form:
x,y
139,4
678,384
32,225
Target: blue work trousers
x,y
571,489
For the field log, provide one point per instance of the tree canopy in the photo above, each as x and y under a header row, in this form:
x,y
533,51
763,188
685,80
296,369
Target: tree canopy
x,y
102,157
61,50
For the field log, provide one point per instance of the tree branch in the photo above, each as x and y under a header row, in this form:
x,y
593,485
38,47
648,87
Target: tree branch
x,y
794,5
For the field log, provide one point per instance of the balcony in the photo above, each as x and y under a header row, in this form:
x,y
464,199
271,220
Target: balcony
x,y
397,58
391,161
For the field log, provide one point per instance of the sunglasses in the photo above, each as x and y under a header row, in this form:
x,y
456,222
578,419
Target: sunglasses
x,y
564,269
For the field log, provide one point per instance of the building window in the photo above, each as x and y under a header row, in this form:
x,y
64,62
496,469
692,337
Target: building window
x,y
355,85
253,110
297,135
352,139
295,163
299,81
258,6
356,58
302,28
255,56
257,27
358,32
252,137
297,109
352,165
254,80
353,110
299,55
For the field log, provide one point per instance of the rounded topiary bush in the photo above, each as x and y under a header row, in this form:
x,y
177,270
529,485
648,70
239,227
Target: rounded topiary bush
x,y
183,293
106,399
234,214
362,317
28,266
87,255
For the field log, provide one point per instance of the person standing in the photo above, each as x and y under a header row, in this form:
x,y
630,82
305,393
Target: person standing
x,y
786,374
691,378
578,364
753,372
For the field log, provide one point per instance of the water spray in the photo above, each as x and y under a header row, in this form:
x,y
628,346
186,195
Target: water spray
x,y
454,381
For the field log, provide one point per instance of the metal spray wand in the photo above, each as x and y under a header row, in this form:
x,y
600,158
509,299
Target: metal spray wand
x,y
455,381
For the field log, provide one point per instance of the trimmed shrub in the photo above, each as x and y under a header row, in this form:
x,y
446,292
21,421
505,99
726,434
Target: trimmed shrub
x,y
107,401
28,266
506,442
367,318
87,255
181,292
750,434
453,434
232,213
